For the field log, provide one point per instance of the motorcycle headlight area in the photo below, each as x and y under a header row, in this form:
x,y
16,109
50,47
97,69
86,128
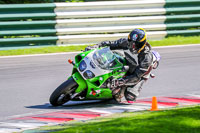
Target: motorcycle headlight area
x,y
82,66
88,74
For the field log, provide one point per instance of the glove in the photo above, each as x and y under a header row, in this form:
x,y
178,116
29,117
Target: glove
x,y
91,47
104,43
88,48
118,82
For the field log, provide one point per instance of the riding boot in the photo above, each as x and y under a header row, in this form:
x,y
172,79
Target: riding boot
x,y
118,97
116,90
132,92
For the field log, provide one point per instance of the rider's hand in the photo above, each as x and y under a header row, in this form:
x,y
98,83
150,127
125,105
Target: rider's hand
x,y
118,82
88,48
104,43
91,47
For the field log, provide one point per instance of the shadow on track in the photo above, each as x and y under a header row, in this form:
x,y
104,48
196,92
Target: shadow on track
x,y
79,105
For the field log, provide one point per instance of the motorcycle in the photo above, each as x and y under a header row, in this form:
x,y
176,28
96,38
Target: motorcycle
x,y
92,77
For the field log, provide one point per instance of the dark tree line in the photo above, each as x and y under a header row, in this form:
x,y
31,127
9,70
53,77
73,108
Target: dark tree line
x,y
34,1
43,1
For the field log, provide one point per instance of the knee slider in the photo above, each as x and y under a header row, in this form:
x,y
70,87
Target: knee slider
x,y
130,96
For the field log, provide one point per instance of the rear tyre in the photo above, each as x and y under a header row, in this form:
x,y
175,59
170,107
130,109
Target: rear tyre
x,y
62,93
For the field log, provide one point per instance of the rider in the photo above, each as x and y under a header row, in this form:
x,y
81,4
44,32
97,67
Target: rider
x,y
135,44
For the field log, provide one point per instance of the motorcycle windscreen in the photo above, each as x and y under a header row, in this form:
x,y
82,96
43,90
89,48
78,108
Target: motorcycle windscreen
x,y
105,59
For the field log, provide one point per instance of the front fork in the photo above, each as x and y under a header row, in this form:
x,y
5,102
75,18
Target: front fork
x,y
82,85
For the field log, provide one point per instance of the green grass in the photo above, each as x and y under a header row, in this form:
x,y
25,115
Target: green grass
x,y
182,120
179,40
42,50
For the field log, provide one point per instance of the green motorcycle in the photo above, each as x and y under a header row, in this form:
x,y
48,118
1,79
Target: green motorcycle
x,y
92,76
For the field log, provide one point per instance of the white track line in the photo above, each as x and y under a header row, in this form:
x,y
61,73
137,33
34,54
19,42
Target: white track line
x,y
34,55
7,130
65,53
138,108
99,111
177,46
22,124
194,95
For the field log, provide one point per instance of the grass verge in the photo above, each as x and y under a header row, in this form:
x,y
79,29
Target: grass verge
x,y
178,40
181,120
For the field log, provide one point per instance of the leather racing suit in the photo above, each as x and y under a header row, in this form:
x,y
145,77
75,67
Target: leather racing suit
x,y
137,67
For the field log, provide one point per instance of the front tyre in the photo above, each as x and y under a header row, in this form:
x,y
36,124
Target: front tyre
x,y
62,93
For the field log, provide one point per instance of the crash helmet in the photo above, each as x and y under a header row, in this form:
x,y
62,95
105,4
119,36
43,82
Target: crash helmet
x,y
137,40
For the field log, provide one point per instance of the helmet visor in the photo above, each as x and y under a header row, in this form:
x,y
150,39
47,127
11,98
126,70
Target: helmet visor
x,y
131,45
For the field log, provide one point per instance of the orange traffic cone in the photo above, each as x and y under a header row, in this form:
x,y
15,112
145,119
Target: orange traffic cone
x,y
154,106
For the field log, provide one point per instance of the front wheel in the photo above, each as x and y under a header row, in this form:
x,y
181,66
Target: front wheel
x,y
62,93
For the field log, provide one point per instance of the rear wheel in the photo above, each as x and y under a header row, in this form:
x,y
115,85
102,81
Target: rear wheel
x,y
62,93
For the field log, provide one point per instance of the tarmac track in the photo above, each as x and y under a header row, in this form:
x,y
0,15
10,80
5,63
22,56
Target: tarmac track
x,y
26,82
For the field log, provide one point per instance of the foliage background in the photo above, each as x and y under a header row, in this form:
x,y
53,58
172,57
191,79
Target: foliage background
x,y
35,1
